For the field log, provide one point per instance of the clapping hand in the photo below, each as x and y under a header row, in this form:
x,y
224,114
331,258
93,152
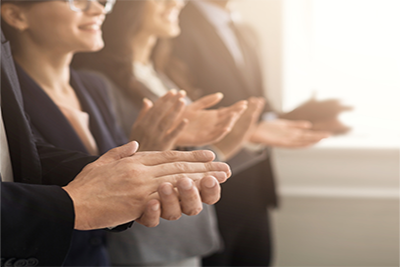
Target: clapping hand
x,y
125,185
286,133
207,126
243,128
159,125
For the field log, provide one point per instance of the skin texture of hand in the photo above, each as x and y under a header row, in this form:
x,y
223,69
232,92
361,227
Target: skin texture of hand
x,y
243,128
117,188
286,133
186,199
207,126
154,128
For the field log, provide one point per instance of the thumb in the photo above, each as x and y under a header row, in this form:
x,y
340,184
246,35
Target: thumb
x,y
118,153
207,101
147,105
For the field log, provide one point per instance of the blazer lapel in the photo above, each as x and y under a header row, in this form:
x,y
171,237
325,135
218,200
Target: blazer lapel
x,y
220,52
47,119
24,157
101,133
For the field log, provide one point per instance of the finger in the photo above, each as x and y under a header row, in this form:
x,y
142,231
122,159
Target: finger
x,y
171,117
147,105
124,151
207,101
157,158
164,103
315,135
190,197
170,206
174,178
300,124
210,190
189,167
151,215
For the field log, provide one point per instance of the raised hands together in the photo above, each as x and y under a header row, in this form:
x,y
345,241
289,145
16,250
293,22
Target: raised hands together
x,y
243,128
286,133
207,126
124,185
159,125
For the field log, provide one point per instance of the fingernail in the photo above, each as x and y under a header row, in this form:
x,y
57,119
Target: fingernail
x,y
220,95
187,184
173,91
167,190
220,176
156,207
210,183
182,92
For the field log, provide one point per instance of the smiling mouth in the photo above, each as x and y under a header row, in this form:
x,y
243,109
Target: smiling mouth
x,y
91,27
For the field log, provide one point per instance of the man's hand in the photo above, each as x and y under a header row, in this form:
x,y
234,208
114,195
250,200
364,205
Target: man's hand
x,y
285,133
184,199
207,126
121,185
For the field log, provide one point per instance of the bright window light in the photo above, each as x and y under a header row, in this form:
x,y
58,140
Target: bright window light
x,y
347,49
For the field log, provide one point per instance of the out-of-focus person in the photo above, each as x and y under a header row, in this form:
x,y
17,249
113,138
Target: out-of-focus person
x,y
222,54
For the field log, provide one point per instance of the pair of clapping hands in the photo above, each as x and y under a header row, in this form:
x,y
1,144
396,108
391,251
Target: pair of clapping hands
x,y
169,123
125,185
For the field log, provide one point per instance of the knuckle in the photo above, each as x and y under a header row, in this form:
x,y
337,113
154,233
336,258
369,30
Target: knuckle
x,y
180,166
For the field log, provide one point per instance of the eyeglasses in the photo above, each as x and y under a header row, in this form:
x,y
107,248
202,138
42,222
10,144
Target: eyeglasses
x,y
168,2
79,5
84,5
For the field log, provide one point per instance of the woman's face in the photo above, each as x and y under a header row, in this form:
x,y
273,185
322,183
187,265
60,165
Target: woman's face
x,y
161,17
52,24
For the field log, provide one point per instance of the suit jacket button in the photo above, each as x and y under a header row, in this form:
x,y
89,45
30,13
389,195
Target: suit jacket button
x,y
20,263
32,262
9,262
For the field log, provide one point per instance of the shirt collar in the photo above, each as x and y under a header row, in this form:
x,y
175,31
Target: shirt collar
x,y
214,14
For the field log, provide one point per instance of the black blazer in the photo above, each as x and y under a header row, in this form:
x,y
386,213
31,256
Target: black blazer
x,y
213,69
36,220
88,248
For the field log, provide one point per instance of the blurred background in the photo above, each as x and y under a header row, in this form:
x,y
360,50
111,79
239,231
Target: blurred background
x,y
339,199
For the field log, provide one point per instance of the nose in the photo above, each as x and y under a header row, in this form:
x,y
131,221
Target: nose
x,y
176,3
96,8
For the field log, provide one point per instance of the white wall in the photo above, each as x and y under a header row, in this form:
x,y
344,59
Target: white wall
x,y
266,17
339,200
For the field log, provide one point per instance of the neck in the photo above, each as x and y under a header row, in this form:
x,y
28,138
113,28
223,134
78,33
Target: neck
x,y
49,68
221,3
143,45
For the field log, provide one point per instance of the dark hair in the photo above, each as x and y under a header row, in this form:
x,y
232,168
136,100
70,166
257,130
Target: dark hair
x,y
115,59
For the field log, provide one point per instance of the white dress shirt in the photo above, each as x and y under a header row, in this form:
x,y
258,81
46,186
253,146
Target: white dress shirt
x,y
146,74
5,162
222,19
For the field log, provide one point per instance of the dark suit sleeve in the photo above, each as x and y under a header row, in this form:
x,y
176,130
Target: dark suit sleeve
x,y
36,224
60,166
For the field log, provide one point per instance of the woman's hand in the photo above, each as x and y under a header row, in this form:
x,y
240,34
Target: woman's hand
x,y
159,125
209,126
243,128
287,133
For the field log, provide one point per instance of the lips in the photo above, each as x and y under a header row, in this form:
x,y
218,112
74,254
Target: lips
x,y
90,27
